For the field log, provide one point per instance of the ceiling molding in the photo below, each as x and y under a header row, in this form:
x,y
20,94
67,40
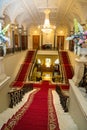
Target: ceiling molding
x,y
32,12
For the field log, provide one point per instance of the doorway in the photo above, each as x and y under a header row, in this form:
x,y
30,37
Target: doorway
x,y
60,42
36,41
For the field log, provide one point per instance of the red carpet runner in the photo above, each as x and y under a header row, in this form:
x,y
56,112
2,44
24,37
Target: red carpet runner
x,y
67,69
38,113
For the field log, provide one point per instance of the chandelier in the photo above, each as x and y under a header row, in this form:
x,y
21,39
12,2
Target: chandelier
x,y
47,27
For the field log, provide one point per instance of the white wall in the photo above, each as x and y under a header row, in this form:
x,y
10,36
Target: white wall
x,y
12,64
30,46
48,38
78,107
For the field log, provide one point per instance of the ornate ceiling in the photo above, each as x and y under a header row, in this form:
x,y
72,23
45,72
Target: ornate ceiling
x,y
31,12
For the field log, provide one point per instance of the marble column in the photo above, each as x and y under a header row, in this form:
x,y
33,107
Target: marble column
x,y
54,39
25,38
41,39
19,37
12,37
79,71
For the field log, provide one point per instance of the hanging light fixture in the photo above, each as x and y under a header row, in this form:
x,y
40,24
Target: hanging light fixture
x,y
47,27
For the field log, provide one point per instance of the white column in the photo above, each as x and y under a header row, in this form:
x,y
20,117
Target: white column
x,y
19,36
12,37
54,40
25,38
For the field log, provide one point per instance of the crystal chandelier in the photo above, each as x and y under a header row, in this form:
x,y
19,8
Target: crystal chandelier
x,y
47,28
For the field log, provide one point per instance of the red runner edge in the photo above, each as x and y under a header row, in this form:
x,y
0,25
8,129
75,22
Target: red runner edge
x,y
38,113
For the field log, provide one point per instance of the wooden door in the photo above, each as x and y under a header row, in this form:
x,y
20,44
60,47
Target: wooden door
x,y
24,41
60,42
36,41
16,39
71,45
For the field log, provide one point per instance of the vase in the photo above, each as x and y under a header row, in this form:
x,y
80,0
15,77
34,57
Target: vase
x,y
83,53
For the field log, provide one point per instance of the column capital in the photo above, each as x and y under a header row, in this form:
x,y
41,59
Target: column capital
x,y
20,29
25,32
12,25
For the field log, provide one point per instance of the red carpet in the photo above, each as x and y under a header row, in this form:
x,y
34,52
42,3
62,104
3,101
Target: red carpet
x,y
38,113
44,83
67,67
64,57
64,86
24,70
